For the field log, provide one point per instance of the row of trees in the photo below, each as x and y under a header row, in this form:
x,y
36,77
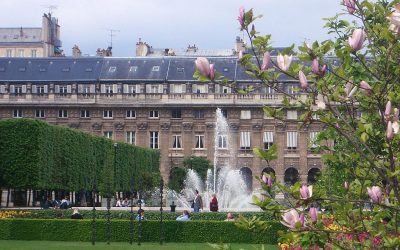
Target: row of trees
x,y
39,156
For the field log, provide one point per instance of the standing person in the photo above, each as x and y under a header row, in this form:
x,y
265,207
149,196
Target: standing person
x,y
198,202
214,204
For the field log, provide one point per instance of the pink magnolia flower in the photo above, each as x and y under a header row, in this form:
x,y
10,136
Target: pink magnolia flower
x,y
212,71
266,61
313,214
315,66
292,219
394,19
357,39
395,123
241,16
284,61
264,179
269,181
203,66
388,110
375,194
389,131
365,88
346,185
303,80
350,89
320,102
351,5
305,192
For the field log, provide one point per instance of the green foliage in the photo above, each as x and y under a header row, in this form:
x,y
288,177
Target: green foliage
x,y
267,155
198,164
176,179
174,231
40,156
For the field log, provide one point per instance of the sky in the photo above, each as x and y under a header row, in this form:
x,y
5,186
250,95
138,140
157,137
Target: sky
x,y
209,24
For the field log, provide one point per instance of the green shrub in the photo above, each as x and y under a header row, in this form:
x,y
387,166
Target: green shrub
x,y
174,231
101,214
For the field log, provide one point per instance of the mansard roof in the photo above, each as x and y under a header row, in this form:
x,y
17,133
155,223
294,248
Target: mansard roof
x,y
112,69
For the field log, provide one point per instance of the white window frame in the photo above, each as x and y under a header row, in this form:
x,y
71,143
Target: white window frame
x,y
199,142
131,137
154,139
62,113
108,134
177,141
85,113
177,112
33,53
154,114
291,115
222,141
40,113
9,53
268,139
107,114
291,140
131,114
18,113
199,113
21,53
313,135
245,140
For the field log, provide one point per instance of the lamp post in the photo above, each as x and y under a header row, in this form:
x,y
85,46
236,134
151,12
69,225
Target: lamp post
x,y
109,196
94,213
140,217
161,210
131,213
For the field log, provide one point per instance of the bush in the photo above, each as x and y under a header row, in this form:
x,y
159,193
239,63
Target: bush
x,y
174,231
101,214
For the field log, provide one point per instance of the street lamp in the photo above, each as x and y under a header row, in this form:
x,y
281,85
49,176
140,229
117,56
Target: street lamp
x,y
109,196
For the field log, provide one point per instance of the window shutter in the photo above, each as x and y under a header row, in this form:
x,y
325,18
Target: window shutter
x,y
217,88
115,88
80,88
34,90
92,89
137,88
69,89
194,88
183,88
245,139
2,89
102,89
57,89
268,137
172,88
148,88
125,88
46,89
12,89
160,88
23,89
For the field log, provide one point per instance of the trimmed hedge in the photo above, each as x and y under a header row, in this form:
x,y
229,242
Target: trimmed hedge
x,y
150,215
37,155
174,231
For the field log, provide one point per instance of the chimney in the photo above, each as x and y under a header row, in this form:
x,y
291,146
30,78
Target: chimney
x,y
142,48
76,52
239,45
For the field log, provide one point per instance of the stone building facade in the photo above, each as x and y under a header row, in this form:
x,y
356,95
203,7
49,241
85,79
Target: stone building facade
x,y
155,102
32,42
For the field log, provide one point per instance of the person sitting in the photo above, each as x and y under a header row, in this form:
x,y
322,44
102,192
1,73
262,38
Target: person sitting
x,y
76,214
140,215
214,204
126,203
229,217
185,216
119,203
65,203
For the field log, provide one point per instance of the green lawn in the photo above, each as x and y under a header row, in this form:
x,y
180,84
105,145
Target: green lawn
x,y
62,245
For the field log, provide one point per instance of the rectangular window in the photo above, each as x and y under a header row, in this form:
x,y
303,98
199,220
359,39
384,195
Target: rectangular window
x,y
245,114
39,113
112,69
108,134
85,113
200,88
154,88
17,113
154,139
291,140
107,114
198,114
199,141
86,90
33,53
130,114
18,90
222,141
21,53
177,141
291,114
62,113
292,89
268,139
176,114
63,90
155,68
109,90
40,90
131,137
315,116
133,68
313,137
9,53
224,112
153,114
245,140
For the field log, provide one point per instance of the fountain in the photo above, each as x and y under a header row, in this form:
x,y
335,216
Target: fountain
x,y
225,180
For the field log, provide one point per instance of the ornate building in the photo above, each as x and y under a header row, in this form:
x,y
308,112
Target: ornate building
x,y
155,102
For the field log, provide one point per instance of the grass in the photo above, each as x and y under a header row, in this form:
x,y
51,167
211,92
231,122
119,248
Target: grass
x,y
64,245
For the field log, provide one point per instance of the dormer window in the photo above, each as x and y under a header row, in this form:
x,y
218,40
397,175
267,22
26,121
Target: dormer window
x,y
180,70
155,68
65,70
133,68
112,69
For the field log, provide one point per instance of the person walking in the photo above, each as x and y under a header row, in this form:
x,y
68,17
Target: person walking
x,y
214,204
198,202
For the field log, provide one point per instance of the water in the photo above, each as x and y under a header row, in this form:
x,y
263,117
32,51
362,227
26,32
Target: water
x,y
224,180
